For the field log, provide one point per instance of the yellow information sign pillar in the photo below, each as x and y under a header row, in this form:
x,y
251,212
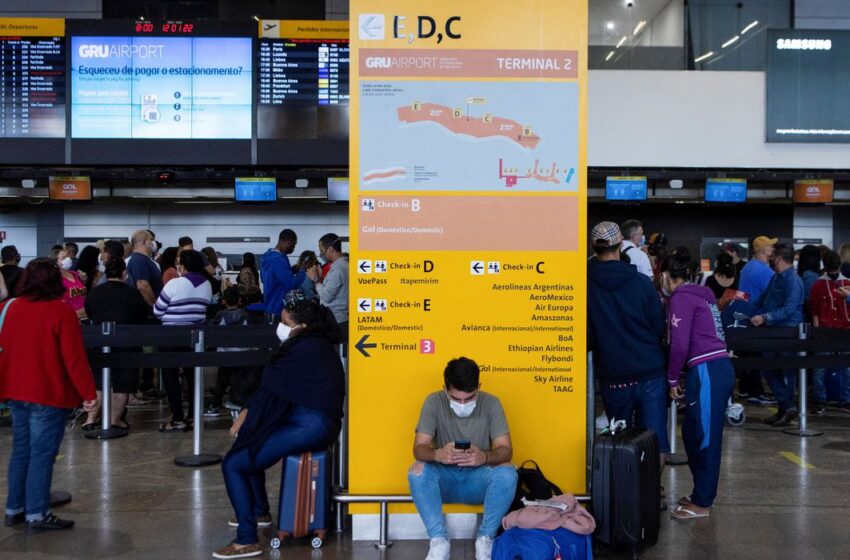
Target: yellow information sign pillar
x,y
468,221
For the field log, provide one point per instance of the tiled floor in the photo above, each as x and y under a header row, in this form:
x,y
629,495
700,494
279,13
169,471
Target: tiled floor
x,y
130,501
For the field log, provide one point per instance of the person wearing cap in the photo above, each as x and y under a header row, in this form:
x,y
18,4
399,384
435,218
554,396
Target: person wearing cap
x,y
632,245
626,325
332,288
781,305
754,279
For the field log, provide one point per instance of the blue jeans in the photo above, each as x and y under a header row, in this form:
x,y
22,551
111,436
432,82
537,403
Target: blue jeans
x,y
494,487
643,404
819,385
708,388
305,430
37,432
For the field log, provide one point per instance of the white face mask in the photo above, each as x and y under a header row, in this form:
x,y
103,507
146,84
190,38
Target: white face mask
x,y
66,263
462,410
283,331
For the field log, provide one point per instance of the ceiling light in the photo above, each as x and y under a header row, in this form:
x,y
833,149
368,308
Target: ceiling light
x,y
705,56
609,26
750,26
730,41
623,40
639,26
610,54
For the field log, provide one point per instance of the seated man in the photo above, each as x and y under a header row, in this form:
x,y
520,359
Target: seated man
x,y
463,453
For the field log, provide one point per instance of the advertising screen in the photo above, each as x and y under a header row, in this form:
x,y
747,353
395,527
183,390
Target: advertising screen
x,y
338,189
69,188
726,190
813,191
625,188
256,189
161,87
808,85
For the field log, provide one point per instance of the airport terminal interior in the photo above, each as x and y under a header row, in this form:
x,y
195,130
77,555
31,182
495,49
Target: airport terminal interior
x,y
425,243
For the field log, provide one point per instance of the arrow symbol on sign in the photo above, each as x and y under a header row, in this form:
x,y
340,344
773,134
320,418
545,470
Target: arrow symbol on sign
x,y
364,305
364,266
362,345
477,267
367,28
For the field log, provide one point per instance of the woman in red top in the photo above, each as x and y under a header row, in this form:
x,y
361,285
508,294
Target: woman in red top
x,y
43,373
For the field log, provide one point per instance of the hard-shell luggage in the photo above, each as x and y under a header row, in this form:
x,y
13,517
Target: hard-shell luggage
x,y
626,489
304,498
540,544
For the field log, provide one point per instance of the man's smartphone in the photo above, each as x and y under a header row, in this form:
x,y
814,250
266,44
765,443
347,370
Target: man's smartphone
x,y
462,444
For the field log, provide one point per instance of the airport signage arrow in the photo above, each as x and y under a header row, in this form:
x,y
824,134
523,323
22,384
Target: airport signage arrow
x,y
362,345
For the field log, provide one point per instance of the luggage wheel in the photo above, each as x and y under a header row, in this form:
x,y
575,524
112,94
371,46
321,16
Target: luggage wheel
x,y
281,538
318,539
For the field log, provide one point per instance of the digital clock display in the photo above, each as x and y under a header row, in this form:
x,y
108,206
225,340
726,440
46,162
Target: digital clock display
x,y
169,27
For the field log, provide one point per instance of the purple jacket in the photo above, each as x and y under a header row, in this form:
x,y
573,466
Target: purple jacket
x,y
695,331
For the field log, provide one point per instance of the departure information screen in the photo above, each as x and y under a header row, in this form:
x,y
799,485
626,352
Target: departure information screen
x,y
302,80
303,71
33,94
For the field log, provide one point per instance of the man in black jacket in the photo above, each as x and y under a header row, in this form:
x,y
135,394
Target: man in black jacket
x,y
10,269
625,331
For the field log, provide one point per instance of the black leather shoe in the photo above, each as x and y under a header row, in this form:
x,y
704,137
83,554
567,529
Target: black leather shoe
x,y
786,419
772,419
17,519
49,523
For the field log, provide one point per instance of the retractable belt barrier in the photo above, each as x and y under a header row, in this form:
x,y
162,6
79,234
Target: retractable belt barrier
x,y
255,344
800,348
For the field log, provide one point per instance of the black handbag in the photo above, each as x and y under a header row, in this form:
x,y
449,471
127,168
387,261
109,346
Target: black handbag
x,y
532,485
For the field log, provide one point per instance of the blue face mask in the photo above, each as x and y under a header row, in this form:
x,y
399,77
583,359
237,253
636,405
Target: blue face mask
x,y
642,240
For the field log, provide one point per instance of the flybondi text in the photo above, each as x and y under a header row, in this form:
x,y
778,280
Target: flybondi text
x,y
121,51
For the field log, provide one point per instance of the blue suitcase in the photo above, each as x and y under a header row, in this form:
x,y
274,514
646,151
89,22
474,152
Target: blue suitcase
x,y
304,498
539,544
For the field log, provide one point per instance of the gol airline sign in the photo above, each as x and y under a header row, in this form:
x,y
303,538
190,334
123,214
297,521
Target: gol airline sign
x,y
813,191
70,188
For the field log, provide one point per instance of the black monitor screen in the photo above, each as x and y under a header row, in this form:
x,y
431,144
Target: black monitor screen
x,y
808,86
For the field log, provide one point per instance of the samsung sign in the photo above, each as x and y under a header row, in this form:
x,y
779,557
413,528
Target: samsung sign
x,y
804,44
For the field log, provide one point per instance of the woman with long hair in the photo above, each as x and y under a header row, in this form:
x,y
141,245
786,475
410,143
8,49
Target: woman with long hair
x,y
697,342
298,408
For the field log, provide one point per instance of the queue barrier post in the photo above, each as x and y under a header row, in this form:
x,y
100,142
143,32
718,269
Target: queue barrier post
x,y
802,429
590,422
342,448
673,459
107,430
198,458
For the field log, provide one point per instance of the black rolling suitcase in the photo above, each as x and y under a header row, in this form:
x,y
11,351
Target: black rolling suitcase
x,y
626,489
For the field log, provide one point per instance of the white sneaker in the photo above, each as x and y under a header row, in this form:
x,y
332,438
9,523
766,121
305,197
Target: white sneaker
x,y
601,421
440,550
483,548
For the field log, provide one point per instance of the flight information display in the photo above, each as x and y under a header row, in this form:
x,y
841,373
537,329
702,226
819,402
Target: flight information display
x,y
302,80
33,93
161,87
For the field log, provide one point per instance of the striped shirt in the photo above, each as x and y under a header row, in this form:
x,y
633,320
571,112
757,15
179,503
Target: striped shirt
x,y
184,301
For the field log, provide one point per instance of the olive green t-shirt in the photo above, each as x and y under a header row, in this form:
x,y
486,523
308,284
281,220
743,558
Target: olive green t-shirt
x,y
486,423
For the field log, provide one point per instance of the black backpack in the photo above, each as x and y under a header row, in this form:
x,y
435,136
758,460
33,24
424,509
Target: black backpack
x,y
532,485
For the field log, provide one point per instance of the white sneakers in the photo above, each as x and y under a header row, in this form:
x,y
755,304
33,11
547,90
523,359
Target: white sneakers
x,y
483,548
440,550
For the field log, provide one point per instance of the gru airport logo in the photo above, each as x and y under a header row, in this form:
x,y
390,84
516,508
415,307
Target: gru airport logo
x,y
121,51
372,27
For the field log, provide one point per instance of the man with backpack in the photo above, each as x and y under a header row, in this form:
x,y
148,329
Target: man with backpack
x,y
463,455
